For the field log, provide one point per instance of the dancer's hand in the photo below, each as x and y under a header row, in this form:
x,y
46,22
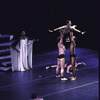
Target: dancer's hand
x,y
75,25
83,32
50,30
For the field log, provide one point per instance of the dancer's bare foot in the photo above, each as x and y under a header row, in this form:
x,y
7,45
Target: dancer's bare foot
x,y
64,79
84,63
73,78
57,76
47,67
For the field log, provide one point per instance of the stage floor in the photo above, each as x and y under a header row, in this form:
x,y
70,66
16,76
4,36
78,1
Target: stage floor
x,y
20,85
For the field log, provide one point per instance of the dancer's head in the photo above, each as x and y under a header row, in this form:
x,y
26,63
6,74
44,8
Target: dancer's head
x,y
33,96
69,22
61,42
23,33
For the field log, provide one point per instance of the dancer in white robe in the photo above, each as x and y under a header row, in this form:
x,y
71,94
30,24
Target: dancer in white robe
x,y
21,54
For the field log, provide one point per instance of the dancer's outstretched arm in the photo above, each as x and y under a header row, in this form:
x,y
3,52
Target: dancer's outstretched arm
x,y
59,28
74,28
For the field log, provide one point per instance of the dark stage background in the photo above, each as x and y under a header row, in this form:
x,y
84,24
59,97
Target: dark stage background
x,y
37,16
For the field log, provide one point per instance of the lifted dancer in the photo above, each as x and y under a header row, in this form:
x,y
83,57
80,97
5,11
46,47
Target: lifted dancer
x,y
67,28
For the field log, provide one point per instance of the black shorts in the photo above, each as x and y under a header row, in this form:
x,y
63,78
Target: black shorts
x,y
73,55
61,56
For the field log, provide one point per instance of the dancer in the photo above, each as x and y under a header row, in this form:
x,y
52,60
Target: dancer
x,y
61,58
21,56
35,97
73,65
67,28
73,55
68,67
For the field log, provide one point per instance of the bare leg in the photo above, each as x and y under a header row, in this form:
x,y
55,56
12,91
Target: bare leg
x,y
73,66
71,49
68,67
73,59
81,63
53,66
62,67
62,63
57,69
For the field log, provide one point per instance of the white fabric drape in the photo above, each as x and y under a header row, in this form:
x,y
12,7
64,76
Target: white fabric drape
x,y
21,57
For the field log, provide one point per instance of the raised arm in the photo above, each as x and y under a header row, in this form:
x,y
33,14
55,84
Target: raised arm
x,y
61,39
59,28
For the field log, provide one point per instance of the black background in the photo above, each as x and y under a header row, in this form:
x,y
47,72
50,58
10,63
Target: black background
x,y
37,16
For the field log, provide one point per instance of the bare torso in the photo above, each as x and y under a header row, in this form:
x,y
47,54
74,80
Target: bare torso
x,y
61,48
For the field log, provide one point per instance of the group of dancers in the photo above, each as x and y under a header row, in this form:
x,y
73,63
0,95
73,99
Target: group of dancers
x,y
22,52
71,68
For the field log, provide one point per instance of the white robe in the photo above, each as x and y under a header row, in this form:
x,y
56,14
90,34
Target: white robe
x,y
21,58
